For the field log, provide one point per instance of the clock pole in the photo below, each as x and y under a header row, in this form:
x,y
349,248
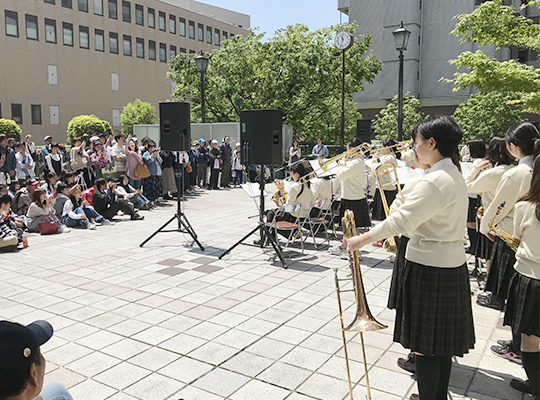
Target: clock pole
x,y
342,133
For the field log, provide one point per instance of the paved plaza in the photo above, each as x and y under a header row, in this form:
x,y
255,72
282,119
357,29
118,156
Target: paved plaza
x,y
168,321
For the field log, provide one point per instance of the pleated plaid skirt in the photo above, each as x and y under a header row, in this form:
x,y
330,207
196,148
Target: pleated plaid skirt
x,y
359,208
434,313
397,272
483,246
501,269
377,211
472,209
523,305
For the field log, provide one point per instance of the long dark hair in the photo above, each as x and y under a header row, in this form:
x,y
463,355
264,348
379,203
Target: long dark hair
x,y
300,169
36,197
48,177
534,192
497,152
389,142
523,135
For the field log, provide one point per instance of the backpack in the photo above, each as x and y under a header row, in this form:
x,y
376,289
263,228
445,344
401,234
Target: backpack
x,y
15,202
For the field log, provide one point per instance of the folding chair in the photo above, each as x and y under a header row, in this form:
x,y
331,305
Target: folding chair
x,y
316,219
294,228
335,212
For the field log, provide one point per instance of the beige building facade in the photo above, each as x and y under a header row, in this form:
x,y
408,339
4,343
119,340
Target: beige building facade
x,y
63,58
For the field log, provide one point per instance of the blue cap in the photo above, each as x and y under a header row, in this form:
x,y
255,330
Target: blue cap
x,y
201,140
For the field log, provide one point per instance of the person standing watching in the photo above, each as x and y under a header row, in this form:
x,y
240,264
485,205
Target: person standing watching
x,y
118,154
54,162
25,164
8,154
226,158
294,152
46,149
202,162
215,163
320,150
31,147
99,158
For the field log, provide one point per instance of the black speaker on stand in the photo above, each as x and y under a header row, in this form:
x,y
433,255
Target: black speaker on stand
x,y
175,135
363,130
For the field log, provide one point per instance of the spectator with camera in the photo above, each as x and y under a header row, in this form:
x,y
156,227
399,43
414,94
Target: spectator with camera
x,y
41,207
152,185
106,202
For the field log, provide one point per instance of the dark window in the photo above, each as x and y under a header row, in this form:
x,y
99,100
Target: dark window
x,y
231,35
16,113
126,11
172,24
127,45
151,18
200,32
31,27
208,34
162,52
113,42
36,114
192,52
99,40
217,38
151,50
172,52
98,7
183,50
113,9
84,37
191,30
50,1
12,23
67,33
83,5
162,26
139,14
50,30
225,36
67,3
182,27
140,48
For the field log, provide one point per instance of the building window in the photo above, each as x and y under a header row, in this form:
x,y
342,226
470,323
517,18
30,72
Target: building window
x,y
162,26
172,24
84,37
16,113
113,42
12,23
140,48
162,52
127,45
36,114
98,7
67,33
200,32
50,1
151,50
182,27
192,52
126,11
183,50
31,27
83,5
151,18
224,35
139,14
99,40
67,3
191,30
172,52
50,30
217,38
208,34
113,9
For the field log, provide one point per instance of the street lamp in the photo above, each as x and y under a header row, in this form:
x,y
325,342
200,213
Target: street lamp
x,y
201,61
401,36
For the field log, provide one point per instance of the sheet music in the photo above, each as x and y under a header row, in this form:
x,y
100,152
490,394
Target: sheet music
x,y
252,189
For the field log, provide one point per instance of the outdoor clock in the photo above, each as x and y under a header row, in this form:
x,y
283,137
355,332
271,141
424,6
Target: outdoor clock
x,y
344,40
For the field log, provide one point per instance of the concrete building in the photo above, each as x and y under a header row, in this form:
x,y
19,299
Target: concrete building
x,y
63,58
431,46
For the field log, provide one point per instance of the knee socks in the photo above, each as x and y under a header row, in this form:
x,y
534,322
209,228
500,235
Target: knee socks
x,y
432,377
516,342
472,237
531,364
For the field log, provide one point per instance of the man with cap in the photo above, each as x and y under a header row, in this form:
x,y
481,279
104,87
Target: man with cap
x,y
22,201
46,149
22,366
202,162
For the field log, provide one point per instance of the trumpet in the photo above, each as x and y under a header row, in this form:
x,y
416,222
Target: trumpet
x,y
396,148
390,244
511,241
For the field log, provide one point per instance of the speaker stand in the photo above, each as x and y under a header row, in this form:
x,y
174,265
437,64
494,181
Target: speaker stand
x,y
183,224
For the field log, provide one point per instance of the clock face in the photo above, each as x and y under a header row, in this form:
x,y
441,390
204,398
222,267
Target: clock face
x,y
343,40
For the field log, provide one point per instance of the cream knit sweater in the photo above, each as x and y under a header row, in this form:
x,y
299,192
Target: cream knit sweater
x,y
352,176
486,183
527,228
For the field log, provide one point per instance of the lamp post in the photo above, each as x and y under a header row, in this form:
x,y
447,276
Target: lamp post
x,y
201,61
401,36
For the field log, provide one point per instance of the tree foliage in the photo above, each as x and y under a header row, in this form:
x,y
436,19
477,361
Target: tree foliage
x,y
89,124
297,71
10,128
138,112
486,115
385,123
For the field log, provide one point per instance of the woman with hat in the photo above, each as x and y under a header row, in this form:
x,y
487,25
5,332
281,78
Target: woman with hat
x,y
78,212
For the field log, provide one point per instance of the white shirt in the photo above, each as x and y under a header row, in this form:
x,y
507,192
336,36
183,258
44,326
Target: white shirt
x,y
21,162
321,189
352,175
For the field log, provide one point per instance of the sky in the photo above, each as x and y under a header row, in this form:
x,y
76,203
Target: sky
x,y
270,15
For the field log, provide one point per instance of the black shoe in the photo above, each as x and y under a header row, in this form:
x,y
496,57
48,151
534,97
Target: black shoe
x,y
407,364
258,242
137,217
521,386
167,197
490,302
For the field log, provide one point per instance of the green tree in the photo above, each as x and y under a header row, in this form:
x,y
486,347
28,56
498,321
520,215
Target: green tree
x,y
10,128
138,112
385,122
89,124
297,71
486,115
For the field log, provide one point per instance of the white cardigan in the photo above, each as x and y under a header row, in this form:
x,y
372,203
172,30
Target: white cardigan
x,y
527,228
486,183
352,176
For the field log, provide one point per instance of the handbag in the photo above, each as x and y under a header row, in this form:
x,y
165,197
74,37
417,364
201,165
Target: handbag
x,y
110,171
141,171
48,225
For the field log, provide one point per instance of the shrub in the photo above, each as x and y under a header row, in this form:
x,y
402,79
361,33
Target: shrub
x,y
136,113
89,124
10,128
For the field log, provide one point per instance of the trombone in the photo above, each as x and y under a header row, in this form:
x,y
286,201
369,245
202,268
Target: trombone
x,y
390,244
358,151
396,148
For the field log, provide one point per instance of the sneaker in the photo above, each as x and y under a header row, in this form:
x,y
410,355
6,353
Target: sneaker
x,y
504,342
521,386
64,229
378,243
137,217
506,352
91,226
392,258
338,251
106,222
97,223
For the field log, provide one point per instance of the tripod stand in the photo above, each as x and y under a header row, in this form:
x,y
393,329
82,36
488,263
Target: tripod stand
x,y
183,224
265,234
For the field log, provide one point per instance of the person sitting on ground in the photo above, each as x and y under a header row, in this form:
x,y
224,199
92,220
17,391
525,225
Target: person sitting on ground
x,y
106,203
40,207
54,162
23,197
78,212
8,236
13,188
62,195
25,164
50,183
129,193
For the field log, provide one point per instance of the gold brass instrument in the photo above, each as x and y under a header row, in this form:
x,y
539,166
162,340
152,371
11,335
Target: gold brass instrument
x,y
511,241
396,148
390,244
480,212
280,197
358,151
363,320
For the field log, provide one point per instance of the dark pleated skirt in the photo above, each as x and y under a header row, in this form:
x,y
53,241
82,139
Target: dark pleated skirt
x,y
377,211
483,246
523,305
397,272
359,208
152,187
434,313
501,269
471,212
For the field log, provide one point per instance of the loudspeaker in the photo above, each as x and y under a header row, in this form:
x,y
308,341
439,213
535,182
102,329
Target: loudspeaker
x,y
174,126
261,136
363,130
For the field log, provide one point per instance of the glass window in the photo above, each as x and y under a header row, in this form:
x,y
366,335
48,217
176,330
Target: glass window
x,y
139,14
99,40
67,33
16,113
113,42
49,1
12,23
172,52
84,37
172,24
162,26
183,50
217,39
151,50
31,27
208,34
224,35
182,27
36,114
83,5
113,9
50,30
200,32
127,45
67,3
192,52
126,11
98,7
140,48
151,18
191,30
162,52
